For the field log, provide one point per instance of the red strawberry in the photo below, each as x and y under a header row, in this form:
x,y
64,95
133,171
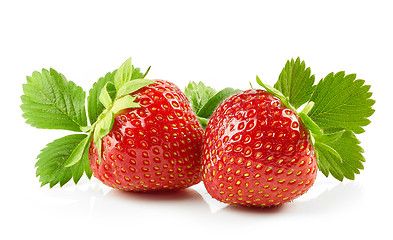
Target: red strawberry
x,y
154,147
257,152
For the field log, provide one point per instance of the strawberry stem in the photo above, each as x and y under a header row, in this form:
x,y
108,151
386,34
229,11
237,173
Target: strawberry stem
x,y
148,69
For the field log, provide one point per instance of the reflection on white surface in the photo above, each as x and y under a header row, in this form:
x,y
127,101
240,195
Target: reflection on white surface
x,y
95,200
92,205
325,197
333,197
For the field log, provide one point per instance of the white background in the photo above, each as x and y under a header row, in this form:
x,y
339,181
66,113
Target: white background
x,y
223,43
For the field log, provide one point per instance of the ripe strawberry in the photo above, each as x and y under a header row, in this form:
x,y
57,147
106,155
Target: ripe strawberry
x,y
143,135
257,152
154,147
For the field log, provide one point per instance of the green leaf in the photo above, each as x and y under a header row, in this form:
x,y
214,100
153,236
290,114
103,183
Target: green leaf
x,y
94,106
79,151
296,82
349,160
123,74
204,100
124,102
137,74
133,86
83,166
51,162
323,147
198,94
50,101
342,102
328,162
208,108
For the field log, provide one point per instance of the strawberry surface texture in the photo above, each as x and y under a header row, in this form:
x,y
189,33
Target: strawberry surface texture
x,y
257,152
155,147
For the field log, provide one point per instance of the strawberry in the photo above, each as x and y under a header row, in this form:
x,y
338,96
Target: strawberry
x,y
143,134
261,150
257,152
154,147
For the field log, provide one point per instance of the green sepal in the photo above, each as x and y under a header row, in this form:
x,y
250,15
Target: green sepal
x,y
270,89
124,102
276,93
116,97
123,74
133,86
86,129
105,97
310,124
102,128
94,106
330,137
98,145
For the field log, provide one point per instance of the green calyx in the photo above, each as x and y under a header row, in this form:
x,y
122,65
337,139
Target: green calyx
x,y
50,101
277,93
115,97
336,109
312,127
